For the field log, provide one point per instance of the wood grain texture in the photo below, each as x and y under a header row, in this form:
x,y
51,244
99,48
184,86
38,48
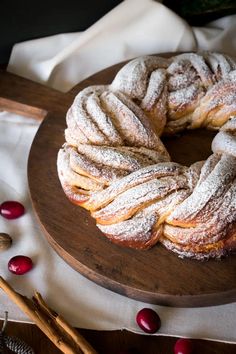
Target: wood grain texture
x,y
113,342
154,276
28,98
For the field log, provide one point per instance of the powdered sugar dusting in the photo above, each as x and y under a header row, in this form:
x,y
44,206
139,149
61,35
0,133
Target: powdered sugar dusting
x,y
211,230
70,177
205,195
145,174
181,80
219,65
216,250
84,166
199,64
127,203
224,143
102,120
182,98
112,162
120,158
230,125
84,120
138,228
143,225
132,79
156,84
127,114
208,167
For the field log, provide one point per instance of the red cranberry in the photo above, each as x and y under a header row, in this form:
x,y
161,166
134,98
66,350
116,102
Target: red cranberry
x,y
20,265
148,320
11,209
183,346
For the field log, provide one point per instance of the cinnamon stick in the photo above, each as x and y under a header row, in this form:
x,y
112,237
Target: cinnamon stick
x,y
63,324
65,337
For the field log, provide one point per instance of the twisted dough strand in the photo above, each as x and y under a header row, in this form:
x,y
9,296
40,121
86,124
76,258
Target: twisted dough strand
x,y
114,164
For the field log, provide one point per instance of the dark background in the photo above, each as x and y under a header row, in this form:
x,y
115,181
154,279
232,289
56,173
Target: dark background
x,y
199,12
22,20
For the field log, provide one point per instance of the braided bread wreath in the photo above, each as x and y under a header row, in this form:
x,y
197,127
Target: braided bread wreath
x,y
114,164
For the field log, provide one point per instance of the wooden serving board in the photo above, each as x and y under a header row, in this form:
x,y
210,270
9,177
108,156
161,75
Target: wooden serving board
x,y
154,276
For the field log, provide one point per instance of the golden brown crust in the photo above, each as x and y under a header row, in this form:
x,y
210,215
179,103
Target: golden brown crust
x,y
203,252
114,164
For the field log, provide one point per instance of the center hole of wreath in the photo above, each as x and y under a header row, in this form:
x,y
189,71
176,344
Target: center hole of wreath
x,y
189,146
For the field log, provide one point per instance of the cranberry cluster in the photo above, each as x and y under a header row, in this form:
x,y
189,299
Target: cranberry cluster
x,y
19,264
147,319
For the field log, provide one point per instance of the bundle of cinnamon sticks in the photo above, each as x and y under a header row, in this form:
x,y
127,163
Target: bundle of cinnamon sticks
x,y
54,326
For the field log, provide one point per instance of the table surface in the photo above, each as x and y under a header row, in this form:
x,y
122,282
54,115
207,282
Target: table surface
x,y
113,342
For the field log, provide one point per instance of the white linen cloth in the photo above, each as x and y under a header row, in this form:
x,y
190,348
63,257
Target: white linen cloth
x,y
135,27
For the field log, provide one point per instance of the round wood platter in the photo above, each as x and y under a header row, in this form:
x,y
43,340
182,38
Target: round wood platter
x,y
153,276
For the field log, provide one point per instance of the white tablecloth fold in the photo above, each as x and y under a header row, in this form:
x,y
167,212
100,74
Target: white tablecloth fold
x,y
135,27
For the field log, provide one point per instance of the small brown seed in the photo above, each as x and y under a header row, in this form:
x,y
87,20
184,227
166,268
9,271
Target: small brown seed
x,y
5,241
